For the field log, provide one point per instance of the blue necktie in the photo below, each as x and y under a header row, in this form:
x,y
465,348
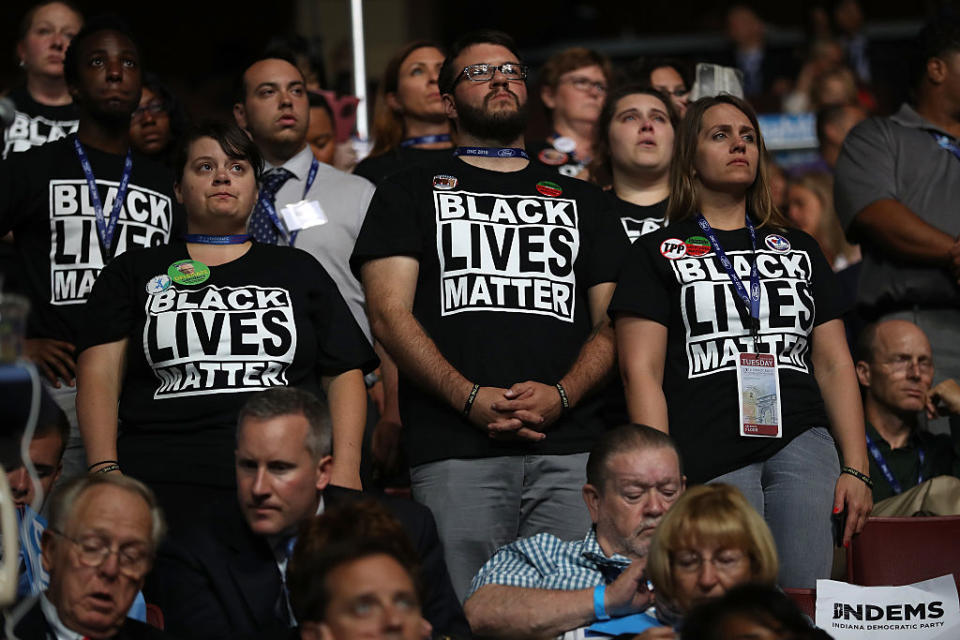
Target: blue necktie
x,y
261,227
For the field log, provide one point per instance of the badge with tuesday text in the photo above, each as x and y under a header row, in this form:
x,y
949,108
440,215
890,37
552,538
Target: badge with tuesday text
x,y
188,272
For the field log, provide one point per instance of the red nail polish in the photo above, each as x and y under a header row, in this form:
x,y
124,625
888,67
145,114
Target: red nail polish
x,y
846,544
836,509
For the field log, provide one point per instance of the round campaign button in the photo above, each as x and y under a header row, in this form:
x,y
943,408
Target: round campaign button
x,y
159,284
552,157
188,272
777,243
547,188
564,144
697,246
673,248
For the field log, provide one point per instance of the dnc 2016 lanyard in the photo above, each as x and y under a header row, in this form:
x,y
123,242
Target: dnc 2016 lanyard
x,y
202,238
750,301
492,152
878,458
272,211
105,228
412,142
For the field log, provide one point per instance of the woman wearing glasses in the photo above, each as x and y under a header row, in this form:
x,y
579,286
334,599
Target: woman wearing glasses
x,y
574,84
158,122
710,541
669,75
44,108
409,123
729,335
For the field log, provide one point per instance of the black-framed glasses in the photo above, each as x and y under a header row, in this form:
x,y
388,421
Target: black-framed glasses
x,y
154,108
133,559
484,72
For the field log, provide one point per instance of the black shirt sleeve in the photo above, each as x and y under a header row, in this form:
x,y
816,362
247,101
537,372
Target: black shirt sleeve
x,y
607,249
641,290
109,314
391,226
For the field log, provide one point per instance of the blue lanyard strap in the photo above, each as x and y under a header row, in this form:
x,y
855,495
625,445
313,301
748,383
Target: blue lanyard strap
x,y
105,228
944,142
750,301
272,210
885,469
412,142
492,152
202,238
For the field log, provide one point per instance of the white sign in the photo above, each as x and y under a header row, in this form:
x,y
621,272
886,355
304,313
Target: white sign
x,y
927,610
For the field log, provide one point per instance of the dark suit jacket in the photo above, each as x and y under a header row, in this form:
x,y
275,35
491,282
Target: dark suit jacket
x,y
33,626
219,580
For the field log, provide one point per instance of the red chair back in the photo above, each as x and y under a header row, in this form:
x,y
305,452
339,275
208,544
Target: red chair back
x,y
154,616
898,551
805,599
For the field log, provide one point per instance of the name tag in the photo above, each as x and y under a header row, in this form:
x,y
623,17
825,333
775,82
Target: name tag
x,y
303,215
758,384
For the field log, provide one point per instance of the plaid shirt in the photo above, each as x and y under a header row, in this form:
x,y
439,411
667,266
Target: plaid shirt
x,y
544,561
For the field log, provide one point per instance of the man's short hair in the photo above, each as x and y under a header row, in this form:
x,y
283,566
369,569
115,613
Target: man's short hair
x,y
105,22
934,40
629,437
274,52
286,401
341,535
448,75
65,498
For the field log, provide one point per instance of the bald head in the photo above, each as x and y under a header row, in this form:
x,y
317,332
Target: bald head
x,y
895,366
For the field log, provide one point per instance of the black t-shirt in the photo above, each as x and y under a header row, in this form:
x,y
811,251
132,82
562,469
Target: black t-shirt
x,y
637,220
376,168
36,124
564,164
45,201
506,260
270,318
673,277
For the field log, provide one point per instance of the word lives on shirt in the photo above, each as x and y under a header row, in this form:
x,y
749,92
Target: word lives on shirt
x,y
505,253
219,339
718,325
76,255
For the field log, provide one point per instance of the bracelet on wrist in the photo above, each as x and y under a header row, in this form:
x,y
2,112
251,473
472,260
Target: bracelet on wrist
x,y
108,468
599,608
469,403
564,400
858,475
97,464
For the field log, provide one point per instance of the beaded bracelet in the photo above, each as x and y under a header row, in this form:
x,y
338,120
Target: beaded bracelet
x,y
856,474
469,403
564,400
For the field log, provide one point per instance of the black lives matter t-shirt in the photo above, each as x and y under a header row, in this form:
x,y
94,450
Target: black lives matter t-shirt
x,y
377,168
637,220
35,124
271,318
45,201
506,260
673,277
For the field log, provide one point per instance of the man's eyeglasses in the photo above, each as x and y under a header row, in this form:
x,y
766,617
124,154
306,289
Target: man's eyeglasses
x,y
133,559
484,72
586,84
153,108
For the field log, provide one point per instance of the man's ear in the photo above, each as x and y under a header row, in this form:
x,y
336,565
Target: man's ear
x,y
548,97
48,545
240,115
936,70
863,373
448,106
324,469
591,495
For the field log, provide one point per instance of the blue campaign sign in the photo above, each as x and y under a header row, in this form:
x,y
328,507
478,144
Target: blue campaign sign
x,y
783,131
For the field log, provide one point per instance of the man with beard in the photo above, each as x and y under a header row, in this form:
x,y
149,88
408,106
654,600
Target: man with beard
x,y
543,587
487,280
76,203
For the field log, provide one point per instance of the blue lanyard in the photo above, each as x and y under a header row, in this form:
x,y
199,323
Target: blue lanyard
x,y
202,238
105,228
945,143
878,458
412,142
491,152
752,301
272,211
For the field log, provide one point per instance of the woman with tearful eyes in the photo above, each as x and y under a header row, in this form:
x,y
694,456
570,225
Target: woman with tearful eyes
x,y
710,541
44,108
181,334
730,338
634,146
410,125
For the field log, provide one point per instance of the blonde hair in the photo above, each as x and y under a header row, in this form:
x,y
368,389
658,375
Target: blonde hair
x,y
829,233
711,514
685,187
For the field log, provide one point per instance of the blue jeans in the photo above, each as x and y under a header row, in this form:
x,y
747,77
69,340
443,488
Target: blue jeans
x,y
793,491
482,504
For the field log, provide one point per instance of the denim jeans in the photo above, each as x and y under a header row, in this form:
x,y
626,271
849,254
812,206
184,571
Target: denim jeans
x,y
482,504
793,491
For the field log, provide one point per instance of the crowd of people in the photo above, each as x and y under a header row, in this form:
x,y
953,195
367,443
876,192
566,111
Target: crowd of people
x,y
634,370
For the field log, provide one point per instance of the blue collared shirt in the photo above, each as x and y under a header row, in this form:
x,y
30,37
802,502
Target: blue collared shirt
x,y
544,561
